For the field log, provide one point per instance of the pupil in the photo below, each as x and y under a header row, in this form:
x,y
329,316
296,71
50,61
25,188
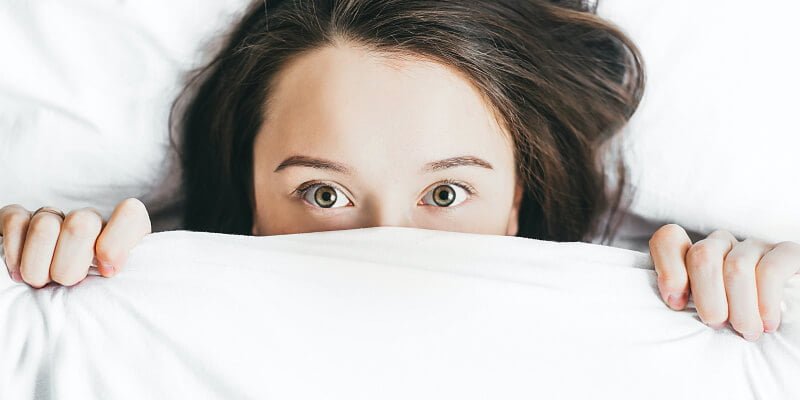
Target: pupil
x,y
444,196
325,196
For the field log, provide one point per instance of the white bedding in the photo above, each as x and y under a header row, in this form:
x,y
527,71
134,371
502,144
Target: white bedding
x,y
714,142
379,313
86,85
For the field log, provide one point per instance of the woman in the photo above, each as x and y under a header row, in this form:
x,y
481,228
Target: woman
x,y
484,117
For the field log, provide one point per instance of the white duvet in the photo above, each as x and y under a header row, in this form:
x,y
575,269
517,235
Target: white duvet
x,y
379,313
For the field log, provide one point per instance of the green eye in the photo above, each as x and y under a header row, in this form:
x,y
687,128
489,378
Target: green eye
x,y
446,195
324,196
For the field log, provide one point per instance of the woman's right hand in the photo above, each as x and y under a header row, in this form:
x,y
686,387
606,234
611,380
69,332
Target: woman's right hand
x,y
42,248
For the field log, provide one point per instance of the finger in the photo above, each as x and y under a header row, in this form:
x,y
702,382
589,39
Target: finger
x,y
128,224
14,220
668,247
772,272
704,265
739,275
75,247
37,252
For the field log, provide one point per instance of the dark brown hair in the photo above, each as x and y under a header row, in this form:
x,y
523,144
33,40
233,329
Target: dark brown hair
x,y
561,80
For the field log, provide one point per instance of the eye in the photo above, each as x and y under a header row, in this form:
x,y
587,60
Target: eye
x,y
447,194
324,196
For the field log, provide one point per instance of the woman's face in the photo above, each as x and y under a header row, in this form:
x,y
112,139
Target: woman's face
x,y
352,139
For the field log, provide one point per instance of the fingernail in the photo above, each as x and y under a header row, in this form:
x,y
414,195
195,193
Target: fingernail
x,y
675,300
751,336
16,277
770,325
108,269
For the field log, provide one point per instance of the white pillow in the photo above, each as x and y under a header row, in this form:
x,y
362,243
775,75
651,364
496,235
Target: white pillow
x,y
85,91
716,141
86,85
380,313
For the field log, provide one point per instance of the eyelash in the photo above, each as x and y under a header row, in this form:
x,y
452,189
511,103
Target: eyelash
x,y
466,186
301,191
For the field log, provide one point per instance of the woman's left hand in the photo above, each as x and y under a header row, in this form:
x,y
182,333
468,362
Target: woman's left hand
x,y
740,282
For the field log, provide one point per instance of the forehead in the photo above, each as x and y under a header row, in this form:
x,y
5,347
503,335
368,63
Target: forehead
x,y
349,103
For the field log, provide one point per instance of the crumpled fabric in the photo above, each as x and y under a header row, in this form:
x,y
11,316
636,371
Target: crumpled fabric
x,y
387,312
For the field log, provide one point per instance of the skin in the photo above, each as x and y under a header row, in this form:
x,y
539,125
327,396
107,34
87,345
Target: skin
x,y
385,119
740,282
42,248
372,124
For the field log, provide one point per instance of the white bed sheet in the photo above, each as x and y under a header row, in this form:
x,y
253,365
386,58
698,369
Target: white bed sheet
x,y
379,313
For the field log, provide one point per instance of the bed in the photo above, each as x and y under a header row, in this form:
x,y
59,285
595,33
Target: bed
x,y
390,312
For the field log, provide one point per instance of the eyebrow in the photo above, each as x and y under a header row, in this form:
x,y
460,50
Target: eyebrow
x,y
319,163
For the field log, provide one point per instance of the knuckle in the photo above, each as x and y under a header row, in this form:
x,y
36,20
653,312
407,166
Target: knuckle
x,y
666,232
82,223
766,269
44,228
793,246
756,244
723,236
701,257
15,221
132,207
721,232
13,208
735,267
699,252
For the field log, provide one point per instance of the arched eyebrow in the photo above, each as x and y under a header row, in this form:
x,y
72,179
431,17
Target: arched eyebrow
x,y
312,162
319,163
462,161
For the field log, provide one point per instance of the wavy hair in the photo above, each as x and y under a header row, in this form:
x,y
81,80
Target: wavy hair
x,y
561,80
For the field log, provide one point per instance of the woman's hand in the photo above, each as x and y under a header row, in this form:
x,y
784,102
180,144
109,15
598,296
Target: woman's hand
x,y
740,282
42,248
